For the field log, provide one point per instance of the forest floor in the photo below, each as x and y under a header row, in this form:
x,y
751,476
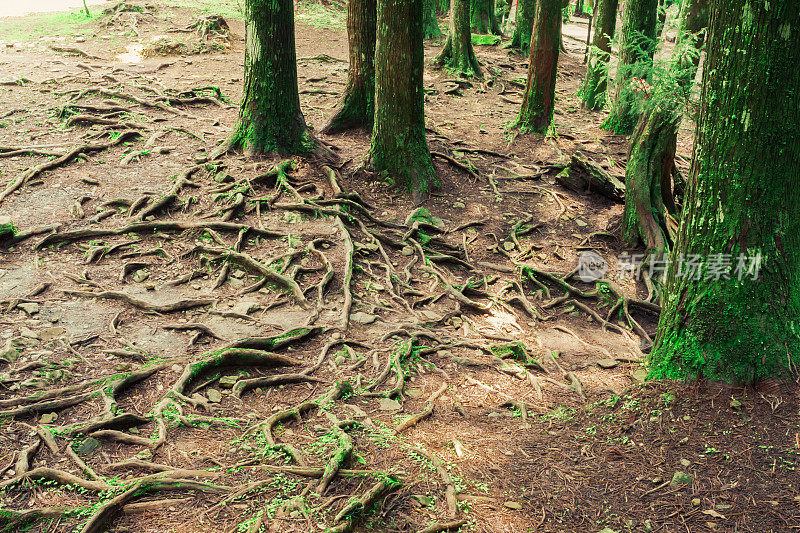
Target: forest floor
x,y
241,344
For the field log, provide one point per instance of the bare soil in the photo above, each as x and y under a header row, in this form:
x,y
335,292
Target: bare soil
x,y
142,255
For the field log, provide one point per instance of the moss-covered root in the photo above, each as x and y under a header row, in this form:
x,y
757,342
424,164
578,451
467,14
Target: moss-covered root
x,y
398,148
339,455
356,507
538,105
649,204
458,54
736,319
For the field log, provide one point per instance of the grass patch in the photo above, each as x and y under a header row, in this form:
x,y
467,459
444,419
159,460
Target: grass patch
x,y
38,25
315,14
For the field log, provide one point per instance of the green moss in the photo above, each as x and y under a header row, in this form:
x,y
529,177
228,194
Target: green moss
x,y
485,40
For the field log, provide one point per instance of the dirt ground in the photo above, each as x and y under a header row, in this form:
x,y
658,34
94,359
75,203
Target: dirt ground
x,y
201,343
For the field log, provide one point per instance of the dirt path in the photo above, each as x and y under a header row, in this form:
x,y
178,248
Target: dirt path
x,y
200,343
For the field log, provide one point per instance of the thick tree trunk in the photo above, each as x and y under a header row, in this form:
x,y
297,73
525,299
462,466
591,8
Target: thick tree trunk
x,y
524,25
398,143
357,108
539,101
651,163
742,199
593,90
270,118
457,53
430,28
483,18
636,51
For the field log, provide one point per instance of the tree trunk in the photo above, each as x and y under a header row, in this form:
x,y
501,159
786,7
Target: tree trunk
x,y
742,198
579,12
649,202
431,29
593,90
521,38
442,7
457,53
539,101
635,59
357,108
270,118
483,18
398,144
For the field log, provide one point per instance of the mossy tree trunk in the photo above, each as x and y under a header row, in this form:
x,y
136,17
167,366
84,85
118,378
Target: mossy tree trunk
x,y
649,200
357,108
442,7
742,198
398,145
538,104
521,38
458,53
431,28
593,89
636,49
270,118
483,17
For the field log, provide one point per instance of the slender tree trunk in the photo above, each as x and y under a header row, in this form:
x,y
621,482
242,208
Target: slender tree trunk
x,y
636,51
270,118
742,198
458,53
524,25
431,28
442,7
538,104
579,12
357,108
398,143
649,197
593,90
483,18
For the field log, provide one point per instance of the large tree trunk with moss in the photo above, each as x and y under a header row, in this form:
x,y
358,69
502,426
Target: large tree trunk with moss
x,y
430,25
649,207
398,145
593,89
521,38
483,18
458,53
357,108
270,118
636,50
538,104
742,200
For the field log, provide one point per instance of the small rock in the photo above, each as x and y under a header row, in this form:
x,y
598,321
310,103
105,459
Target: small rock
x,y
363,318
196,287
696,502
513,505
88,446
508,246
580,223
214,396
48,418
413,393
227,382
424,501
239,274
607,363
387,404
140,275
639,376
28,333
686,463
407,250
459,205
680,478
48,334
6,227
494,414
29,307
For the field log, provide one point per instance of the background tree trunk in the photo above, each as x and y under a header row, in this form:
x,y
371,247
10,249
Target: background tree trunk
x,y
270,118
636,50
539,101
458,53
483,18
398,143
595,85
742,198
431,29
357,108
649,201
442,7
524,25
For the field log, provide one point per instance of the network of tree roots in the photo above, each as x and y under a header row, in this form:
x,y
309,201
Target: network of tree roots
x,y
265,348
